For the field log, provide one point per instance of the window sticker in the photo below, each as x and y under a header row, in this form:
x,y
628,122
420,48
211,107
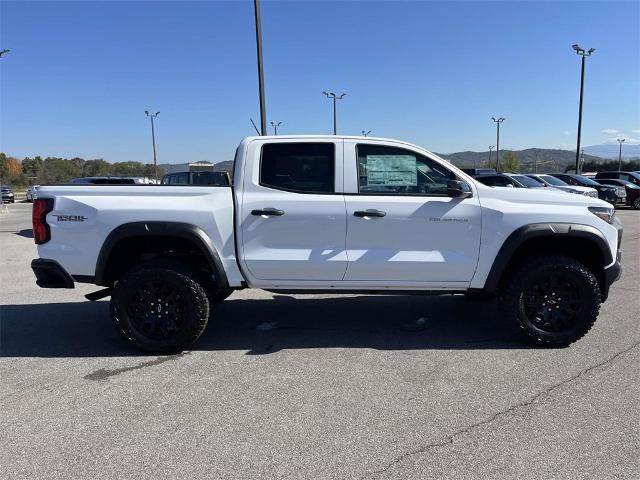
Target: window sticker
x,y
391,170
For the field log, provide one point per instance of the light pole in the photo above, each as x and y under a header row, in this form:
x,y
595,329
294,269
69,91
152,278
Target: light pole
x,y
365,134
498,122
491,147
620,141
335,98
263,109
581,51
153,141
275,127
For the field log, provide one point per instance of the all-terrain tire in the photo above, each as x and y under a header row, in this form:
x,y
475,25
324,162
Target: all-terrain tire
x,y
160,306
531,299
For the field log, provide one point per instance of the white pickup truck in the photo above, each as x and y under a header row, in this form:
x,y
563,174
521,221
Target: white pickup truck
x,y
309,214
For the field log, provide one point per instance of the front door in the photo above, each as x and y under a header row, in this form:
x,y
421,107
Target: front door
x,y
401,225
293,217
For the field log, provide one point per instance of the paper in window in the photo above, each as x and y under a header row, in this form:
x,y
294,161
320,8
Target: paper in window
x,y
391,170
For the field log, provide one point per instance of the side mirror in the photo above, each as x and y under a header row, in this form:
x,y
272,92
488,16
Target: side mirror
x,y
458,189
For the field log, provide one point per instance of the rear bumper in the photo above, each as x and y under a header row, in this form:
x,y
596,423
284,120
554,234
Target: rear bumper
x,y
50,274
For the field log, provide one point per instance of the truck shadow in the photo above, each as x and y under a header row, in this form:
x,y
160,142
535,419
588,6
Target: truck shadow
x,y
265,326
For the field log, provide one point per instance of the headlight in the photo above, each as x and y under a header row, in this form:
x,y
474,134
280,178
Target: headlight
x,y
605,213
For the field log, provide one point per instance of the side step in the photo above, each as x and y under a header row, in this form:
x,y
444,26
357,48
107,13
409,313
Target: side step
x,y
105,292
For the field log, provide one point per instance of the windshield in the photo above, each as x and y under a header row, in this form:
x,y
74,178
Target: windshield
x,y
553,181
586,180
527,181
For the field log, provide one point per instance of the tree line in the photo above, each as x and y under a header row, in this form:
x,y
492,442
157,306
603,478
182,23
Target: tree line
x,y
38,170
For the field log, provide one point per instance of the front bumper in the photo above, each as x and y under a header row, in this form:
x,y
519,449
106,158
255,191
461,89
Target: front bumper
x,y
614,272
50,274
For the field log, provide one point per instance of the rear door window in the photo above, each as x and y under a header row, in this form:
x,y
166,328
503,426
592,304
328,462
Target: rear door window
x,y
298,167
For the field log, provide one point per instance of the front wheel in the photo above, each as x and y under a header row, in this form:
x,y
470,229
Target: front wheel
x,y
160,307
551,300
636,203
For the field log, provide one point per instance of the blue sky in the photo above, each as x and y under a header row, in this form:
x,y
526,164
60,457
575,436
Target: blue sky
x,y
80,74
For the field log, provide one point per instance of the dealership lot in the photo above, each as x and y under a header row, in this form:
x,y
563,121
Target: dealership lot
x,y
319,386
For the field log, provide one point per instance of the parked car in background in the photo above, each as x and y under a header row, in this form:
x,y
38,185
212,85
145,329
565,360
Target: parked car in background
x,y
106,180
631,189
32,193
497,180
216,179
621,193
552,181
478,171
7,194
605,192
515,180
633,177
526,181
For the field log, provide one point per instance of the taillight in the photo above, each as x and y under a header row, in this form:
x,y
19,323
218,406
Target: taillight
x,y
41,231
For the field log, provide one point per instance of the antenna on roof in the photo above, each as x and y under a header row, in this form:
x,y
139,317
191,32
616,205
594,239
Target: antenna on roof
x,y
254,125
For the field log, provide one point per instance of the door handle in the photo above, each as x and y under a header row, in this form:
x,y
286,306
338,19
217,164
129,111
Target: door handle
x,y
269,212
369,213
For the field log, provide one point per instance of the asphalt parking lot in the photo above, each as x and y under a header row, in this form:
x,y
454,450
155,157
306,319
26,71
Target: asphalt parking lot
x,y
315,387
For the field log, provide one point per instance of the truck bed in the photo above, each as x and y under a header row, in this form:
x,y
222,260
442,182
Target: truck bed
x,y
92,212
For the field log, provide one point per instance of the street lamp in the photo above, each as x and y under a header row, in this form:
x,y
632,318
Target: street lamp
x,y
498,122
2,52
581,51
153,140
335,98
365,134
275,127
491,147
263,109
620,141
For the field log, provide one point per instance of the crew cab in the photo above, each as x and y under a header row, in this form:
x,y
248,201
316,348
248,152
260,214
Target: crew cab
x,y
309,214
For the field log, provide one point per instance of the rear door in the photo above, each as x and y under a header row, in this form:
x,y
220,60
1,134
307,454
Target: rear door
x,y
292,212
402,227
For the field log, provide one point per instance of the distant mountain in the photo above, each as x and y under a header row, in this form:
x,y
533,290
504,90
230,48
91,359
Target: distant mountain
x,y
546,159
608,150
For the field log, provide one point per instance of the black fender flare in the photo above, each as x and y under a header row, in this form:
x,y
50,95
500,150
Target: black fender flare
x,y
540,230
167,229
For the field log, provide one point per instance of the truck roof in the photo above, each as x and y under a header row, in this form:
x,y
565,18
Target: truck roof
x,y
342,137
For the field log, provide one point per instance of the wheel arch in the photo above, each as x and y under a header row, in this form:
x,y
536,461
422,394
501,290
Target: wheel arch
x,y
582,242
155,235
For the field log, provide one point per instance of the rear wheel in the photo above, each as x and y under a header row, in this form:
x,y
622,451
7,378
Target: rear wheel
x,y
551,300
160,307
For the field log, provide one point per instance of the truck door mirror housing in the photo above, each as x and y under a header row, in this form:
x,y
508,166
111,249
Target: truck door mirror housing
x,y
458,189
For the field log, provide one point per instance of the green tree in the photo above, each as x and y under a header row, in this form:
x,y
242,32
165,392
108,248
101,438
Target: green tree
x,y
59,170
32,167
129,169
3,168
96,168
509,162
